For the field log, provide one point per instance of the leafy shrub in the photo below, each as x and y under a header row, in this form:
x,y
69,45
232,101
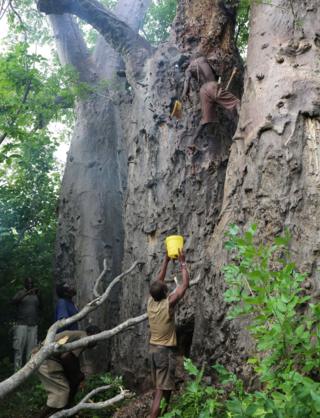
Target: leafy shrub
x,y
265,286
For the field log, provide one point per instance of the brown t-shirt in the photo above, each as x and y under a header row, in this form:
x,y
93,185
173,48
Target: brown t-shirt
x,y
161,322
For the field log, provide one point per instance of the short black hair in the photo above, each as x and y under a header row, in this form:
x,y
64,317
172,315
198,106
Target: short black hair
x,y
158,290
62,290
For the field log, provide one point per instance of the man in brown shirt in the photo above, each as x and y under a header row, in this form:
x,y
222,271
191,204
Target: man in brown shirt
x,y
163,340
211,92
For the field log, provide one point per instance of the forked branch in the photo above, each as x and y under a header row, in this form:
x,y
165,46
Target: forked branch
x,y
86,404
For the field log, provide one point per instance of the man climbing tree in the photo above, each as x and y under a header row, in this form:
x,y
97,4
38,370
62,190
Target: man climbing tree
x,y
211,93
163,339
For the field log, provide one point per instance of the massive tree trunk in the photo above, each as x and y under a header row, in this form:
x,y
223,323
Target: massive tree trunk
x,y
163,194
273,176
90,211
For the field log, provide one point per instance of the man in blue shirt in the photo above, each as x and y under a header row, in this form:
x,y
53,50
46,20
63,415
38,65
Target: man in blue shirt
x,y
65,306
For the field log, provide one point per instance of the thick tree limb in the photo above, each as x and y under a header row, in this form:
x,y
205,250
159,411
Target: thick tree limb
x,y
131,46
71,47
83,404
106,59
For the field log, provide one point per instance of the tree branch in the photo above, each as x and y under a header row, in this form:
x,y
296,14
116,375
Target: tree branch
x,y
95,289
106,59
50,346
92,405
131,46
89,307
71,47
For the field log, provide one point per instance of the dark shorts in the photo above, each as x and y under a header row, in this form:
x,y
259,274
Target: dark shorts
x,y
163,366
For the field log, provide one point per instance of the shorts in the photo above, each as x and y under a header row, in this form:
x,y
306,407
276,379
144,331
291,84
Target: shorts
x,y
163,366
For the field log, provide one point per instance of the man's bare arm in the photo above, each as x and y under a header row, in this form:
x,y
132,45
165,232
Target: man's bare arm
x,y
162,274
180,290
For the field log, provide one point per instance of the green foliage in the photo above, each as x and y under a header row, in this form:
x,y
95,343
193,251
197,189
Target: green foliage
x,y
32,95
28,201
242,26
158,20
198,399
26,23
264,285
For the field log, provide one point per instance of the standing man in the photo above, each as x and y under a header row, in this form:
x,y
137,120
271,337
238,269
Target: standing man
x,y
163,339
25,335
65,306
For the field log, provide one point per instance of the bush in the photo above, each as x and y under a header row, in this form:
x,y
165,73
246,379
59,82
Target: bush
x,y
264,285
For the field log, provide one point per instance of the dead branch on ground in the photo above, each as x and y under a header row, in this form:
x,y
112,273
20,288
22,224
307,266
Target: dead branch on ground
x,y
86,404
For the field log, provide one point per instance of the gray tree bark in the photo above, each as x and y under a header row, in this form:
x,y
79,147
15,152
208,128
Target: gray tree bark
x,y
273,176
167,191
94,182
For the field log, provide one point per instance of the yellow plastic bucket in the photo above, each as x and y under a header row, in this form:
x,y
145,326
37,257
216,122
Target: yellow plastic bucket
x,y
173,244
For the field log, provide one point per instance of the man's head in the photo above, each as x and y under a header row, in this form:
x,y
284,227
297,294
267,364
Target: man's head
x,y
28,283
158,290
64,291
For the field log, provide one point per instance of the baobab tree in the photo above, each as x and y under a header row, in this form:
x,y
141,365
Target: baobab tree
x,y
129,180
272,171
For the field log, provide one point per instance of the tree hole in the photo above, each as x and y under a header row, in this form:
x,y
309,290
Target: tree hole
x,y
184,338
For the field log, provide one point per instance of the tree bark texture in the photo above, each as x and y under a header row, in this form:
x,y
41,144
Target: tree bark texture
x,y
273,173
170,192
94,182
273,176
166,190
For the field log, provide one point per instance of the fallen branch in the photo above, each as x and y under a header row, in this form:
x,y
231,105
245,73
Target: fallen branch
x,y
83,404
50,346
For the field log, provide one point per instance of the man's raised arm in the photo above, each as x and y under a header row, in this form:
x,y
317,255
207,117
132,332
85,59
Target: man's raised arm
x,y
178,294
162,274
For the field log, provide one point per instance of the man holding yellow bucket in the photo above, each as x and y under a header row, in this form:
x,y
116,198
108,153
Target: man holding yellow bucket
x,y
163,339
